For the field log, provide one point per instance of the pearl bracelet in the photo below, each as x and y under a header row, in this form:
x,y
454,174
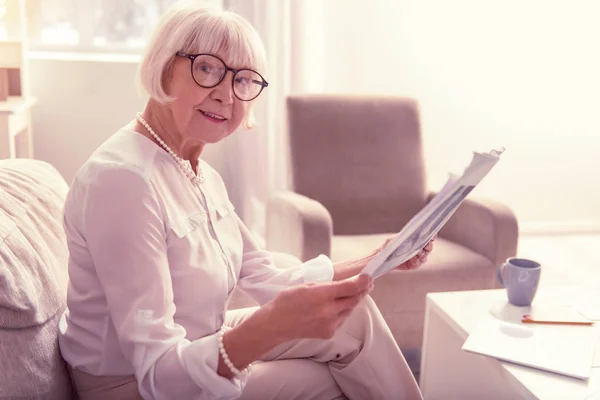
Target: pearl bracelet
x,y
224,355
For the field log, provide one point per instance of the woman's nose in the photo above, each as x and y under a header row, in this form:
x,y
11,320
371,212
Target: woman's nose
x,y
223,92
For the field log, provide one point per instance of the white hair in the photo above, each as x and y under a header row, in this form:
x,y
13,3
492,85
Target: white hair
x,y
192,29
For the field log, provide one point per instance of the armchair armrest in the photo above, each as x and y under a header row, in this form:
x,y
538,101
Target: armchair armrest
x,y
484,226
298,225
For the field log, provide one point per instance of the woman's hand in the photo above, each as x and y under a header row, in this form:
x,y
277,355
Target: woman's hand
x,y
347,269
314,310
417,260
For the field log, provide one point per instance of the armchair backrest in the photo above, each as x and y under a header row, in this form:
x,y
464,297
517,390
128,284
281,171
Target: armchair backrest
x,y
360,156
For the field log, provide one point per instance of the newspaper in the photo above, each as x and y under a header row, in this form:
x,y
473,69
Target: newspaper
x,y
426,223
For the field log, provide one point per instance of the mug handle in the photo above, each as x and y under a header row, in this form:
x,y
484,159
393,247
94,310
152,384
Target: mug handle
x,y
499,274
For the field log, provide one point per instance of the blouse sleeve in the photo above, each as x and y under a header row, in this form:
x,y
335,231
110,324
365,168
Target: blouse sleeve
x,y
125,234
262,280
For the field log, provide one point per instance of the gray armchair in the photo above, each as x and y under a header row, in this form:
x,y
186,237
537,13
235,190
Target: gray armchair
x,y
358,176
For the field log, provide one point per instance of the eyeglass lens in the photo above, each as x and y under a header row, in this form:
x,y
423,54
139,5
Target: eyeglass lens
x,y
208,71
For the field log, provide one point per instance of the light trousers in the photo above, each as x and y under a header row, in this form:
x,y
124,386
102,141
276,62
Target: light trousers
x,y
362,361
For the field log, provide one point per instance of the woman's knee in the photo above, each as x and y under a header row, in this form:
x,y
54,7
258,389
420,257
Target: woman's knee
x,y
291,379
367,309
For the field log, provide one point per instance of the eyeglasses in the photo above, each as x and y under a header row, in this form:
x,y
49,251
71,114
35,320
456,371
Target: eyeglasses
x,y
209,70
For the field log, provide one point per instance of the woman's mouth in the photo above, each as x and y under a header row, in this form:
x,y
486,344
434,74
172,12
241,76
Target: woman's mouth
x,y
216,118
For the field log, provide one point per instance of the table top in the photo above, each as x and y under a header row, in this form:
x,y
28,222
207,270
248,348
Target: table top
x,y
463,311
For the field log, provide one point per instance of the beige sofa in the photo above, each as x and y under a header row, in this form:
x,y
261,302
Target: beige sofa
x,y
358,176
33,281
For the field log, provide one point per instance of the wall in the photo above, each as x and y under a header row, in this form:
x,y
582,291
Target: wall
x,y
82,100
517,74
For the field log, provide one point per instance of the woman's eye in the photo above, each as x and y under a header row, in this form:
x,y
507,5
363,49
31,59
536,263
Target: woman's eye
x,y
207,69
242,81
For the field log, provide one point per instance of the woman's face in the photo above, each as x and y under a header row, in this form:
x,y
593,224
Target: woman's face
x,y
206,115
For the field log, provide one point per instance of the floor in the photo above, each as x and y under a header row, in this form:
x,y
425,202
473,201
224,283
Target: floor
x,y
566,259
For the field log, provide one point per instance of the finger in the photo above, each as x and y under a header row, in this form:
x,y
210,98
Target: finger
x,y
344,304
363,280
345,314
349,287
342,319
415,263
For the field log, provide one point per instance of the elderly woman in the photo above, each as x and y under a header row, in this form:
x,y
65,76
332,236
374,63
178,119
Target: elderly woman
x,y
156,251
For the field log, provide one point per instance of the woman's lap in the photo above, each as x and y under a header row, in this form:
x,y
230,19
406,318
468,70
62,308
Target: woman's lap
x,y
91,387
300,369
293,379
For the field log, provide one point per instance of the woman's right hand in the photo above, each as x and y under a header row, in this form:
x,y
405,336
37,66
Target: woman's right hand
x,y
314,310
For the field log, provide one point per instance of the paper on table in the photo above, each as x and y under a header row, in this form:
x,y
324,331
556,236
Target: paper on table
x,y
590,307
430,219
553,313
584,298
562,349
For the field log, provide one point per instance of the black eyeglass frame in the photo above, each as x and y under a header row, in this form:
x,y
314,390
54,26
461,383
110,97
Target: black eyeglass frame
x,y
193,57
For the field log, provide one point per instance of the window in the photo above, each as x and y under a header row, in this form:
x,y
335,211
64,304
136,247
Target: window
x,y
94,25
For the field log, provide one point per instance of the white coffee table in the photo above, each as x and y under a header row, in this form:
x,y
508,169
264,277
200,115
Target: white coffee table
x,y
448,372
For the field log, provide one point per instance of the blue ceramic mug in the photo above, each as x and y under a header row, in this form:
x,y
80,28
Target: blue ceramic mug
x,y
521,278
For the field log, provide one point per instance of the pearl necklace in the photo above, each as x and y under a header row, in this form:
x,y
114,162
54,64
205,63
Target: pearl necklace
x,y
184,165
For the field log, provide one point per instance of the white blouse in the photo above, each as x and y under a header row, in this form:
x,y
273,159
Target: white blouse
x,y
153,262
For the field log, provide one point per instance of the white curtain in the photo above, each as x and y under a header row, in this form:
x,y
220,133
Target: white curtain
x,y
256,162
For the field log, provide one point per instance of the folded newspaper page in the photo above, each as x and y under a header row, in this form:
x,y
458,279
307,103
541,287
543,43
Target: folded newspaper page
x,y
426,223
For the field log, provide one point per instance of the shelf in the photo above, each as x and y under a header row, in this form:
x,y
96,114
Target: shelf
x,y
15,104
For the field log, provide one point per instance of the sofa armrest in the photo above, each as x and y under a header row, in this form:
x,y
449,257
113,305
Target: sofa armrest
x,y
298,225
484,226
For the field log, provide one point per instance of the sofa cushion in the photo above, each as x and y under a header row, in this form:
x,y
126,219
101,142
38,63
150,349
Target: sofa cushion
x,y
33,280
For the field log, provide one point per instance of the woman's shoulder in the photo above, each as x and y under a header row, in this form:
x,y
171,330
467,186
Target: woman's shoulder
x,y
125,152
213,179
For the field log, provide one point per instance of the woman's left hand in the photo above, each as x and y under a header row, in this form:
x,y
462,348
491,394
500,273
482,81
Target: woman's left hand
x,y
417,260
347,269
414,262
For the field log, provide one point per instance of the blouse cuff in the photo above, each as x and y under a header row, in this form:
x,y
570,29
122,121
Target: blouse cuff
x,y
319,269
202,361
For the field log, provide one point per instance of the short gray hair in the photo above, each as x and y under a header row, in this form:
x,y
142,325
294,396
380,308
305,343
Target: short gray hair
x,y
189,28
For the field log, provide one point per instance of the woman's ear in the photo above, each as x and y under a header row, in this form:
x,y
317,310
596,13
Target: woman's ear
x,y
249,120
167,76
